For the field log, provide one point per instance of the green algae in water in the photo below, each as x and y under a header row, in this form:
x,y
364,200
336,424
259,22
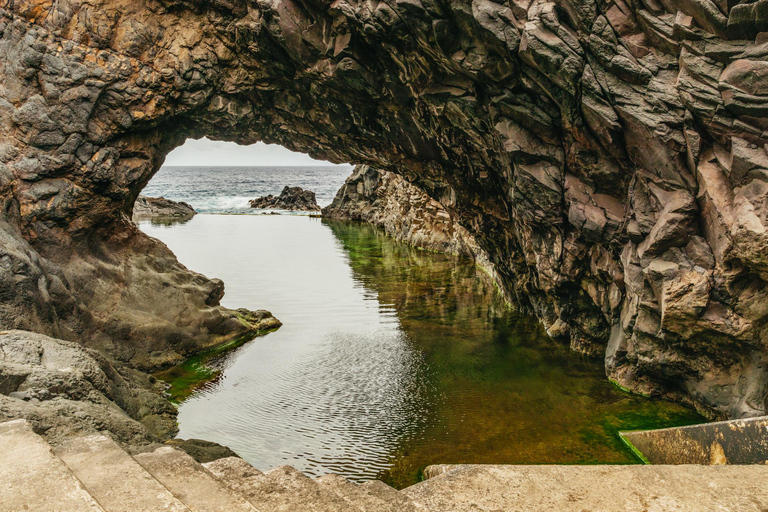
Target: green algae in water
x,y
390,359
200,370
503,391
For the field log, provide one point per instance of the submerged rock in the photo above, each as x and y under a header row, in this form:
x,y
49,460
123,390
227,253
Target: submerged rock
x,y
291,198
160,207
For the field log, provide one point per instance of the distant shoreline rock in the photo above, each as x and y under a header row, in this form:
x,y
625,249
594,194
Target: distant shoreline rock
x,y
154,207
291,198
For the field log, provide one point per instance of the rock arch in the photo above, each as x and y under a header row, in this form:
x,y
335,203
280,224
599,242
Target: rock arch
x,y
609,156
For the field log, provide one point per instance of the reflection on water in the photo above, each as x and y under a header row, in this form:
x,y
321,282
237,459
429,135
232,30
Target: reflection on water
x,y
160,220
389,359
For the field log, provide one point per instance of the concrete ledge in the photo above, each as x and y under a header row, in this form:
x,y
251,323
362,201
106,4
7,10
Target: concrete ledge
x,y
486,488
742,441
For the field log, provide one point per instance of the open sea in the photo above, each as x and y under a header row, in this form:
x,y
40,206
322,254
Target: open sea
x,y
228,189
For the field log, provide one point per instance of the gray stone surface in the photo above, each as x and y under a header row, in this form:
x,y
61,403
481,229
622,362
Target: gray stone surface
x,y
360,496
190,483
742,441
64,390
33,479
595,488
388,494
281,489
232,470
114,478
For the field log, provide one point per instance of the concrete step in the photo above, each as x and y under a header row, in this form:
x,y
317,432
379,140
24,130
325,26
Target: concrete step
x,y
114,478
389,494
231,470
633,488
33,479
190,482
282,489
362,497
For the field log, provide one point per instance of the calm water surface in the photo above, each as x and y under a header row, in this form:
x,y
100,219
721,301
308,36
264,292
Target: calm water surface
x,y
389,359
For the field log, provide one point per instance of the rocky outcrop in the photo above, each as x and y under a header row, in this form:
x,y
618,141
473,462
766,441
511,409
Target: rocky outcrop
x,y
402,210
406,213
63,390
160,207
609,157
291,198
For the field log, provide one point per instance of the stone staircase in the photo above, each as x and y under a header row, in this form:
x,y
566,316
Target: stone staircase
x,y
93,473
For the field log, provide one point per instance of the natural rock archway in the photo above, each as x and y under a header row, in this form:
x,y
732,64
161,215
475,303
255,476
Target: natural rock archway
x,y
608,156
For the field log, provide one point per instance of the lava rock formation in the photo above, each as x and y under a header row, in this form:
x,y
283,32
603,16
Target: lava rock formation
x,y
609,157
154,207
291,198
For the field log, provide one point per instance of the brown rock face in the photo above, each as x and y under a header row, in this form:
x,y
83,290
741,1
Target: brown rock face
x,y
291,198
609,157
160,207
405,212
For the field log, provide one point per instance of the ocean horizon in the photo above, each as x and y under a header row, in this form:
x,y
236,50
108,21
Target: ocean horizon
x,y
227,189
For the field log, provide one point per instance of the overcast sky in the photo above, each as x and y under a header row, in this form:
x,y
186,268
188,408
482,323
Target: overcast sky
x,y
215,153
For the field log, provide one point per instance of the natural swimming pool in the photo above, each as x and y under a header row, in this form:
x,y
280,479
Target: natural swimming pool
x,y
390,359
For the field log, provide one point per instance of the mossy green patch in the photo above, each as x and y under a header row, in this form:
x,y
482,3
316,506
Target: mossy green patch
x,y
634,450
201,369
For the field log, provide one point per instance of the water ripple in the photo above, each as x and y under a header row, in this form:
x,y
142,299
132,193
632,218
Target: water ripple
x,y
388,359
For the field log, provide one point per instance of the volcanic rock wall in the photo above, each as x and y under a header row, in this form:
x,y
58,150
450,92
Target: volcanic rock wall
x,y
63,389
402,210
609,156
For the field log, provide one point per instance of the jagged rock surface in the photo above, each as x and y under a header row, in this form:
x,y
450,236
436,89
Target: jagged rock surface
x,y
291,198
154,207
64,390
403,210
608,156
